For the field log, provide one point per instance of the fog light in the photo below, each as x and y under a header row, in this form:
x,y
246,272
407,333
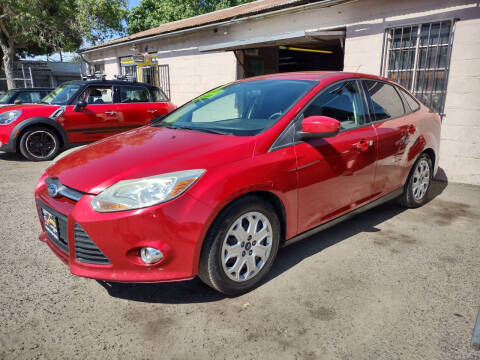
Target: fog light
x,y
150,255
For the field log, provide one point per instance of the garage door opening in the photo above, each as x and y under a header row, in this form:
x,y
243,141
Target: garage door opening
x,y
288,58
306,50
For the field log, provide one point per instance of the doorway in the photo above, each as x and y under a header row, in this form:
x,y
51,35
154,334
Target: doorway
x,y
327,55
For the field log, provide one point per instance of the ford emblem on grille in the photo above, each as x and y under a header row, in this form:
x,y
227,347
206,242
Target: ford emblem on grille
x,y
53,190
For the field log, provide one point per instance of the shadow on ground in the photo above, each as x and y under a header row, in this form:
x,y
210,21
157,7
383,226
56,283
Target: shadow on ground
x,y
11,157
195,291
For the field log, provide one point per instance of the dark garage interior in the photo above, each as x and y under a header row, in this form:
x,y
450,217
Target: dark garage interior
x,y
313,56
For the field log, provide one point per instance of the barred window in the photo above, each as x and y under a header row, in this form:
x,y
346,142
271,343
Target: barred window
x,y
418,57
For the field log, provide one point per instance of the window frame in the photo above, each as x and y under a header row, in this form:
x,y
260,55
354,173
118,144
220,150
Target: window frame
x,y
282,141
117,99
402,91
387,40
373,120
79,95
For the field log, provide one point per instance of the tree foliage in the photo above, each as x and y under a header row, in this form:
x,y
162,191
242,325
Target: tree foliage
x,y
37,27
152,13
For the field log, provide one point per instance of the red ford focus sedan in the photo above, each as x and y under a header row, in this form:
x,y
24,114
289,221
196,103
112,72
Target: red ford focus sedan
x,y
221,183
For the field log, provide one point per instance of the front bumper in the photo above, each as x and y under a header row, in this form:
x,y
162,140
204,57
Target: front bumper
x,y
177,228
6,144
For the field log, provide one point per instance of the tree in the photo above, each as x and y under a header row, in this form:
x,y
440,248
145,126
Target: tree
x,y
38,27
152,13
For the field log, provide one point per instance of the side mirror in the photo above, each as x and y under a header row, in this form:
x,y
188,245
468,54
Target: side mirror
x,y
319,127
17,102
81,104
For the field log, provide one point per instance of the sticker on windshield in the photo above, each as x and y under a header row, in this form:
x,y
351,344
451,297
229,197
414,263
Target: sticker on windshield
x,y
211,93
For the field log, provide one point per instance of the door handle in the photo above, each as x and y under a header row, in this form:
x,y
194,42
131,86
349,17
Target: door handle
x,y
363,145
110,112
152,111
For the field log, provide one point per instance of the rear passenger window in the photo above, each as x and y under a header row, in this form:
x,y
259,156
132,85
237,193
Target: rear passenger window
x,y
412,103
342,101
385,102
134,94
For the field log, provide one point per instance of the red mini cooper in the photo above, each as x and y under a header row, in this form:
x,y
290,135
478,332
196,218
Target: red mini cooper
x,y
78,112
217,186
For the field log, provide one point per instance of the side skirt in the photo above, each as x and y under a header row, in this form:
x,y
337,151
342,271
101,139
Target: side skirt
x,y
390,196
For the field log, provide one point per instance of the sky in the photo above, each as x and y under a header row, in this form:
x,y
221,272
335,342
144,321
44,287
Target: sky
x,y
69,56
132,3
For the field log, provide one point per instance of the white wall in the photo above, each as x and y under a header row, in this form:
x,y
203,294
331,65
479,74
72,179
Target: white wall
x,y
460,146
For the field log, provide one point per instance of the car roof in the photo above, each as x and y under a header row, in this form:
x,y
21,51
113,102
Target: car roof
x,y
110,82
32,89
316,76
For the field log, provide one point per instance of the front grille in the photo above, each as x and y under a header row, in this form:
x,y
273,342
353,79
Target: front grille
x,y
62,241
85,249
63,190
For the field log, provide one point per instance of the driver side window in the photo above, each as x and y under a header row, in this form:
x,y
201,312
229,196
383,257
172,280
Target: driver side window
x,y
97,95
341,101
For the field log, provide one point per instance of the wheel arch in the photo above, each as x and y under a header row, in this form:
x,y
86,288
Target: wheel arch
x,y
18,130
267,196
430,152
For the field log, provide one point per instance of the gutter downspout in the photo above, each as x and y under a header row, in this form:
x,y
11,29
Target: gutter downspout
x,y
322,4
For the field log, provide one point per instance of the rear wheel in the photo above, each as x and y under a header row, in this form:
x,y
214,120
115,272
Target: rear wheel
x,y
39,144
241,246
418,183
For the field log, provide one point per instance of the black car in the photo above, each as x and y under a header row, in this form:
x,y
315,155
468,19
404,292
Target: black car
x,y
24,96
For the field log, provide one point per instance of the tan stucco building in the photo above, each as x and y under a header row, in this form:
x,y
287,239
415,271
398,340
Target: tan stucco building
x,y
430,46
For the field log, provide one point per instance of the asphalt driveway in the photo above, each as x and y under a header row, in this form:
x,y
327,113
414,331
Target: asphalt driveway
x,y
388,284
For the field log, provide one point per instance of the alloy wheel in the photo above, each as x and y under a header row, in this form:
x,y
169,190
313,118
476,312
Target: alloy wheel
x,y
40,144
421,180
247,246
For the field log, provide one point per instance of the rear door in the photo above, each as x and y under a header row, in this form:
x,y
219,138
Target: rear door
x,y
136,105
97,120
336,175
392,127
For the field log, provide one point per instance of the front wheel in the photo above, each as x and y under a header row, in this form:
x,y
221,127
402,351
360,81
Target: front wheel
x,y
418,183
241,246
39,144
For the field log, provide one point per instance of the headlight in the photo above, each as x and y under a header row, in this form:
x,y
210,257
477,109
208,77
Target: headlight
x,y
9,117
140,193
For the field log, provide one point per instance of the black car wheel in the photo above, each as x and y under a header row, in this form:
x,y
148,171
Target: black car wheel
x,y
39,144
241,246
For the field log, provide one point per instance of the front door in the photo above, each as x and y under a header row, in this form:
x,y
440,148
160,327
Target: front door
x,y
336,175
97,120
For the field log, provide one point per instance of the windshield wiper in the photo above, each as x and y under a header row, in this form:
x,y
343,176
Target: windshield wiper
x,y
211,131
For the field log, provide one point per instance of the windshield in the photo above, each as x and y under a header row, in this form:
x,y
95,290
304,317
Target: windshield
x,y
5,97
241,109
62,94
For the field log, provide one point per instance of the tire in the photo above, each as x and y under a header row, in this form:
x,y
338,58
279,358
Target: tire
x,y
235,260
418,184
39,143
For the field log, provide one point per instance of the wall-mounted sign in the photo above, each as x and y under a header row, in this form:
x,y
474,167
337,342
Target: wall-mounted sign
x,y
138,58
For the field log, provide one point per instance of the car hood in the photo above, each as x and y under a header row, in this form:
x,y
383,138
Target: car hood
x,y
29,110
146,151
